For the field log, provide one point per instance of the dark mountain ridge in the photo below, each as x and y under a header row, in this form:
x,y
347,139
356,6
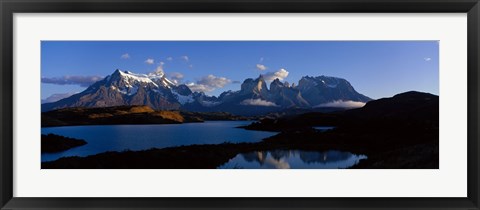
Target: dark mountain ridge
x,y
409,108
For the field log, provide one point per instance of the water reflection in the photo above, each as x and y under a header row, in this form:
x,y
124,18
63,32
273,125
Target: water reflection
x,y
293,159
323,128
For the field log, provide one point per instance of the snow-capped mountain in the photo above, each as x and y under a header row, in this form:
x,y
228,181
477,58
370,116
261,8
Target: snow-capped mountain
x,y
324,89
254,97
127,88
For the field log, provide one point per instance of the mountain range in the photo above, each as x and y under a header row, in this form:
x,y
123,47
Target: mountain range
x,y
254,97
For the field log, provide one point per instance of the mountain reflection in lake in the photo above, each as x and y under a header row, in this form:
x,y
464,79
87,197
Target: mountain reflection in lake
x,y
293,159
323,128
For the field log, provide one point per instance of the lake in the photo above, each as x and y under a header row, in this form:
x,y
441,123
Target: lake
x,y
293,159
102,138
323,128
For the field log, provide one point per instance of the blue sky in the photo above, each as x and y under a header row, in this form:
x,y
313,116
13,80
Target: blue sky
x,y
375,68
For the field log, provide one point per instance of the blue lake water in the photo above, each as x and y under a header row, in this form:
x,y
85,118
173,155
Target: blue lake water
x,y
293,159
323,128
104,138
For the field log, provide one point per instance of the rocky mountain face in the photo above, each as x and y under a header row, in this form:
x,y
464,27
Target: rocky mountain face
x,y
127,88
323,89
254,97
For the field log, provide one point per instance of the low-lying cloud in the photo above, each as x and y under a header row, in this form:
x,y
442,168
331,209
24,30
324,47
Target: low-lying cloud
x,y
209,83
342,104
280,74
257,102
176,77
83,81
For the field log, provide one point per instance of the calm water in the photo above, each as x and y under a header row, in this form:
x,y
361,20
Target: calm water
x,y
293,159
323,128
139,137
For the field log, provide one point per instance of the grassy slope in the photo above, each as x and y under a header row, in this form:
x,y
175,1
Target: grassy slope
x,y
127,115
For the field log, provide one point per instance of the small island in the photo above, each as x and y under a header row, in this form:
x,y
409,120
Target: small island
x,y
52,143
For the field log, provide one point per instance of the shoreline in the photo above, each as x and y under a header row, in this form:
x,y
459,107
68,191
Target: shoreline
x,y
211,156
54,143
401,132
129,115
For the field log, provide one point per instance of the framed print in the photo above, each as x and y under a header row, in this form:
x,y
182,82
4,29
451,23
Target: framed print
x,y
252,105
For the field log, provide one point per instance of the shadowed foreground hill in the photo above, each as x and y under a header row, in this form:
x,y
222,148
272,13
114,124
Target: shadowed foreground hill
x,y
397,132
402,109
414,106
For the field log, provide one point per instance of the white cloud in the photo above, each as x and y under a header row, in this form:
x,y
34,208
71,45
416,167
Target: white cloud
x,y
150,61
199,87
125,56
169,59
427,59
342,104
257,102
176,77
185,58
280,74
209,83
261,67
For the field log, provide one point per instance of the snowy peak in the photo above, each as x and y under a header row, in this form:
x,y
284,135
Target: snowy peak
x,y
160,79
126,82
128,88
323,89
157,79
308,82
128,79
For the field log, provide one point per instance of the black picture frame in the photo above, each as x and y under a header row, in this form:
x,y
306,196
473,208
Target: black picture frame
x,y
9,7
